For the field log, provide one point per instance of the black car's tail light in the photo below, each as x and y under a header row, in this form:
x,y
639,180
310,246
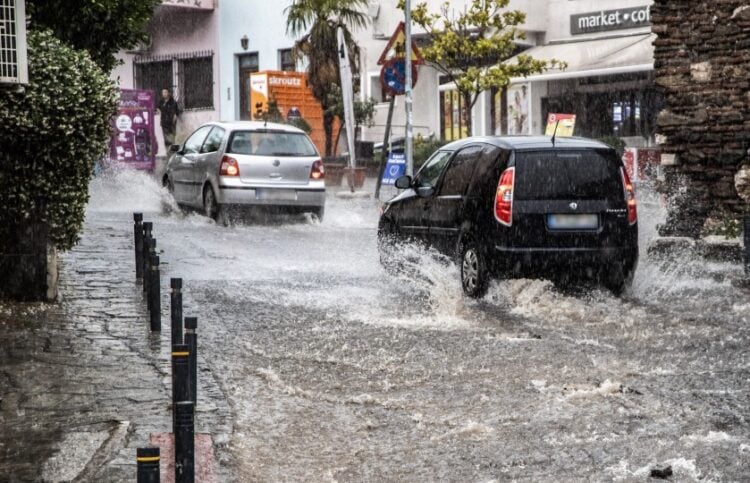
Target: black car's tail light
x,y
629,197
504,197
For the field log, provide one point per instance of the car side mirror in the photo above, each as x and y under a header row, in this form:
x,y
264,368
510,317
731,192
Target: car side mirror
x,y
425,191
403,182
174,148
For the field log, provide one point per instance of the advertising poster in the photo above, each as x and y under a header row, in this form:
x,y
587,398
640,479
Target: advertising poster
x,y
133,142
258,95
565,128
519,109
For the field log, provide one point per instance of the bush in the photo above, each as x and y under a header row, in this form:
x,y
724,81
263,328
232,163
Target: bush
x,y
424,148
52,133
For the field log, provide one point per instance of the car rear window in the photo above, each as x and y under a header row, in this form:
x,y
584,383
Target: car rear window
x,y
271,143
566,174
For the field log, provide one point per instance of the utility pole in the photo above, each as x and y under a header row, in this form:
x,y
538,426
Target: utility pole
x,y
408,93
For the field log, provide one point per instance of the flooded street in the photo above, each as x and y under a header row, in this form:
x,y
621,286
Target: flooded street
x,y
336,371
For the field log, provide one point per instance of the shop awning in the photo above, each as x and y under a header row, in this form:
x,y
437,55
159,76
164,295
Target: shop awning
x,y
620,55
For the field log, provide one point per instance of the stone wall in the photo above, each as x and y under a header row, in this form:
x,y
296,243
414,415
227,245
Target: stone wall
x,y
702,62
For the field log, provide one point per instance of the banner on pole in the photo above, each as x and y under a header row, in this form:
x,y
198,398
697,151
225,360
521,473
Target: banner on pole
x,y
394,169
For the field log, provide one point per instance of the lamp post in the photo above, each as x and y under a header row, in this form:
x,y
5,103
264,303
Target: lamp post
x,y
408,94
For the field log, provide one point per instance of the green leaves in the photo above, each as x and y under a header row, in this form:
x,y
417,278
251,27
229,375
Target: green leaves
x,y
51,135
469,46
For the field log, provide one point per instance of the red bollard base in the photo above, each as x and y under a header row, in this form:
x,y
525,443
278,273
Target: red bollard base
x,y
205,463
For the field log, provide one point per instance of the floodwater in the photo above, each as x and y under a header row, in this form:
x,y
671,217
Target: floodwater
x,y
336,371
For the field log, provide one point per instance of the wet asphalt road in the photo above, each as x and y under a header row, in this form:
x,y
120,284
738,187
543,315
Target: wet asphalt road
x,y
336,371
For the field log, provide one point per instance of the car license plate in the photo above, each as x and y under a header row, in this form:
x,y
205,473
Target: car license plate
x,y
276,195
573,222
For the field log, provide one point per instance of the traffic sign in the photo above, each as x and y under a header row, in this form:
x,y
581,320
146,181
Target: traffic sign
x,y
393,76
396,47
394,169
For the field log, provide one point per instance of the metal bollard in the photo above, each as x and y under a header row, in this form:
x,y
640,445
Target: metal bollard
x,y
746,229
155,295
148,465
148,275
191,340
184,442
138,238
180,378
147,236
175,300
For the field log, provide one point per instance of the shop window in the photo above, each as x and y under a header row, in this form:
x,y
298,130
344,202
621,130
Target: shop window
x,y
197,81
286,60
452,116
154,76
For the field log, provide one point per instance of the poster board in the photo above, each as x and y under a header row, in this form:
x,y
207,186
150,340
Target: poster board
x,y
133,142
565,128
519,109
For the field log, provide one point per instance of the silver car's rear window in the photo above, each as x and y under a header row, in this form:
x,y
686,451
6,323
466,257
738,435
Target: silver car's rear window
x,y
271,143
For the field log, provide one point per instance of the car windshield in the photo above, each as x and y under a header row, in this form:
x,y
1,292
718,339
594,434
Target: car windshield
x,y
564,174
271,143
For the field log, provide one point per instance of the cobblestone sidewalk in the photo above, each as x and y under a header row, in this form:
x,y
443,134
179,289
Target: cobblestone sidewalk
x,y
83,383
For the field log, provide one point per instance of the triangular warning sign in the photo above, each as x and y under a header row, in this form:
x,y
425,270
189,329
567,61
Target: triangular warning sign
x,y
396,47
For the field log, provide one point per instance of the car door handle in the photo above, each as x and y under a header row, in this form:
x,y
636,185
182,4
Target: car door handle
x,y
275,175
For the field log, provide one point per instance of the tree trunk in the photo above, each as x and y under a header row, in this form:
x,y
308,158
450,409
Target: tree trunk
x,y
467,105
328,119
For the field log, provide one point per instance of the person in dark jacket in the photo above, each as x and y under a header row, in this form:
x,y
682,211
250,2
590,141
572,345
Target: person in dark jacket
x,y
169,111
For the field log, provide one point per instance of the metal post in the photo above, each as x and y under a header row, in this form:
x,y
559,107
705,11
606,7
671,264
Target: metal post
x,y
386,148
408,93
175,305
138,237
191,340
148,276
148,465
184,442
746,229
180,378
147,240
155,291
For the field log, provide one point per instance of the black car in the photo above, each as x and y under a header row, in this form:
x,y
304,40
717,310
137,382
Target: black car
x,y
520,206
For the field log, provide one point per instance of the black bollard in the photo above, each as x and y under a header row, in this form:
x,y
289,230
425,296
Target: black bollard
x,y
138,237
180,378
148,277
191,340
155,292
184,442
746,229
175,300
147,236
148,465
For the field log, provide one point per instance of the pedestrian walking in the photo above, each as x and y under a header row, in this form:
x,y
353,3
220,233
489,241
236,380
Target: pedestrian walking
x,y
169,111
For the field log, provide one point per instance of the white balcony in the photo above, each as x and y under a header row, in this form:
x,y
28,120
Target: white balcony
x,y
191,4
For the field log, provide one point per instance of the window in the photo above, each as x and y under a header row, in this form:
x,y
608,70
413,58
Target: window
x,y
271,143
452,119
430,172
197,82
458,174
377,92
154,76
286,60
195,141
213,141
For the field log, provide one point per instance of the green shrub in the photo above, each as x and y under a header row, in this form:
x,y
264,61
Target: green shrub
x,y
423,149
52,133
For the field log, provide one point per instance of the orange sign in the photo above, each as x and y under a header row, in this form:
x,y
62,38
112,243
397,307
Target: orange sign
x,y
565,128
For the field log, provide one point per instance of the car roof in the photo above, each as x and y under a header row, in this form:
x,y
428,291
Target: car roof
x,y
254,126
528,142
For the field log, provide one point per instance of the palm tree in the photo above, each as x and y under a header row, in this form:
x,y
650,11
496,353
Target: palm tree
x,y
318,20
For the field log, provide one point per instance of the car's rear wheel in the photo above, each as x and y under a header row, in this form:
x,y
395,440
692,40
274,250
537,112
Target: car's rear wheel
x,y
319,213
474,273
211,208
616,279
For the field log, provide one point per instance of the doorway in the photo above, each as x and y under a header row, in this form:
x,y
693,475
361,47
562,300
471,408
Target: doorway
x,y
247,63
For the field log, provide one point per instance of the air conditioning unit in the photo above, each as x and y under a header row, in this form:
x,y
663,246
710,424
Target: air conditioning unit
x,y
13,61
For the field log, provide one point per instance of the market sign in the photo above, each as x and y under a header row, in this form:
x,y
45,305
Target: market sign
x,y
194,4
606,20
133,142
560,125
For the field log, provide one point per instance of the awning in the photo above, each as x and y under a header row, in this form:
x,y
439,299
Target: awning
x,y
588,58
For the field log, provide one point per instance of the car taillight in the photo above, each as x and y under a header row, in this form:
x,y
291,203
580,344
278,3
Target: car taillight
x,y
229,167
318,170
629,197
504,197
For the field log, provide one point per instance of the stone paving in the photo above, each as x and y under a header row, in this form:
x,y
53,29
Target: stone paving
x,y
83,383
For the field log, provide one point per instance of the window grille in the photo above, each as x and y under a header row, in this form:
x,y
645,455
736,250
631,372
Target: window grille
x,y
154,76
197,82
13,67
286,60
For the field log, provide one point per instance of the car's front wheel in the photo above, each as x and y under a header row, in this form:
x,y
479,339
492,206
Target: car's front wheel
x,y
475,276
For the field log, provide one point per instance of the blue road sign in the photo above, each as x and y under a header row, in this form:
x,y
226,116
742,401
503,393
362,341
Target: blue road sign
x,y
395,168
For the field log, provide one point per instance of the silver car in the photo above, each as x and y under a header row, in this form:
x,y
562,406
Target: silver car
x,y
243,164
